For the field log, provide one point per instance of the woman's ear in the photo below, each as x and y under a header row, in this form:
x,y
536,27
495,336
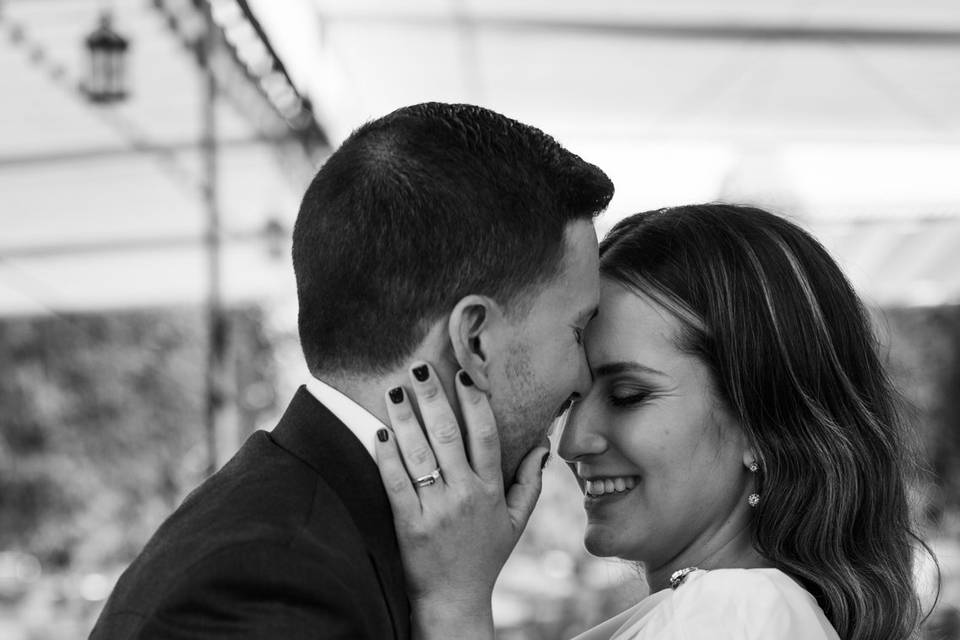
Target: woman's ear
x,y
471,325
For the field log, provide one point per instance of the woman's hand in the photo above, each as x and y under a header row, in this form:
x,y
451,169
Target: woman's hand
x,y
456,532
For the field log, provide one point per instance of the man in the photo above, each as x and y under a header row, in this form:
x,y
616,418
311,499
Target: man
x,y
444,233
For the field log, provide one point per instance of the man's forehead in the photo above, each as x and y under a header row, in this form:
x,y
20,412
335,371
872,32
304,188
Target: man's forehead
x,y
581,253
580,241
575,288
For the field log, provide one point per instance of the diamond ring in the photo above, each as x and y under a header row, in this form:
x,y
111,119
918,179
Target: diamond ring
x,y
429,479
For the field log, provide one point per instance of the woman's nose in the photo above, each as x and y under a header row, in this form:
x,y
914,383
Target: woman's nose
x,y
580,436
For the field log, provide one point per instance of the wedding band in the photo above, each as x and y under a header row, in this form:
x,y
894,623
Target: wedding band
x,y
429,479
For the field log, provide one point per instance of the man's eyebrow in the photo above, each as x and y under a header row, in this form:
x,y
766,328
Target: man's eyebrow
x,y
613,368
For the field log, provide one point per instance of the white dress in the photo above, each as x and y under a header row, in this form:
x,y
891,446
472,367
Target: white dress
x,y
723,604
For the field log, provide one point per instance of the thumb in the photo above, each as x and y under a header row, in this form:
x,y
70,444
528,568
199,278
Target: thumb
x,y
523,494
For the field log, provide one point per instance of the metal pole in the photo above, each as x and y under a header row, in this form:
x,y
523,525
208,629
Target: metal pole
x,y
216,320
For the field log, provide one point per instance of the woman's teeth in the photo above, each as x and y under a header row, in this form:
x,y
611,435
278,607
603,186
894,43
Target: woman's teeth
x,y
599,487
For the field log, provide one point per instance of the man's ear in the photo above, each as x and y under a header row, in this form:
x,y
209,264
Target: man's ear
x,y
473,322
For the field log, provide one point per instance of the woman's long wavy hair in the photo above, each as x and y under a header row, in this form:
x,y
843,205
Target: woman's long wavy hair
x,y
792,352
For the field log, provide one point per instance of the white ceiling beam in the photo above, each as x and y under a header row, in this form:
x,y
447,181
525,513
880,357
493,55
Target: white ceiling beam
x,y
773,32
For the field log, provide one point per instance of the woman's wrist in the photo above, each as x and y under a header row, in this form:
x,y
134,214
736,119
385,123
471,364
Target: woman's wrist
x,y
450,619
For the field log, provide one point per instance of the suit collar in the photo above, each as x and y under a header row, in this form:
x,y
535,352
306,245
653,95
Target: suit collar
x,y
309,431
361,422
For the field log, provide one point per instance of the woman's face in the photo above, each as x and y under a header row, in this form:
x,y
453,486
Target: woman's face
x,y
660,459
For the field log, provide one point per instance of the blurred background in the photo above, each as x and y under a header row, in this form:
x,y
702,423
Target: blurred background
x,y
152,157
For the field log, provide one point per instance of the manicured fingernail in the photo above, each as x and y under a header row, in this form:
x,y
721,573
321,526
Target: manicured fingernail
x,y
546,457
466,379
421,373
396,395
383,435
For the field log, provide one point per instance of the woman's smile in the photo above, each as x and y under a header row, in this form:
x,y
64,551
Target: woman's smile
x,y
606,489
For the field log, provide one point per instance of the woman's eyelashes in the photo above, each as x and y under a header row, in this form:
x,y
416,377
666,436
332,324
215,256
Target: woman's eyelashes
x,y
628,397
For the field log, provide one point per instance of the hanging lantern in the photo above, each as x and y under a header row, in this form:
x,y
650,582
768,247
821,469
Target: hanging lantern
x,y
107,74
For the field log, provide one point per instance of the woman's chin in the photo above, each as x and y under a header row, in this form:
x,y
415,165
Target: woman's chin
x,y
602,541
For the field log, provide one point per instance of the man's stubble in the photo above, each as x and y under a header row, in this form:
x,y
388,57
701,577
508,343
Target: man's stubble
x,y
523,411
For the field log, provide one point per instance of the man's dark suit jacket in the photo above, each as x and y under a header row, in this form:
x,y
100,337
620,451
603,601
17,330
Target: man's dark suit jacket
x,y
292,539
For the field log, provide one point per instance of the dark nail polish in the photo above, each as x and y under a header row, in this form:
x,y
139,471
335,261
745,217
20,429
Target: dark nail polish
x,y
546,457
466,379
383,435
396,395
421,373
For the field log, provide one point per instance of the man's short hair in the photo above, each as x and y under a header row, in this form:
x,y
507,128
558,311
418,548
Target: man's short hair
x,y
420,208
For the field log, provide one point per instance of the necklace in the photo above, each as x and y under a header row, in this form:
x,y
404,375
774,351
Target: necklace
x,y
678,576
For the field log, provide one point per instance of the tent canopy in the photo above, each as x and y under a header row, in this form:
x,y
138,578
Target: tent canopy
x,y
843,115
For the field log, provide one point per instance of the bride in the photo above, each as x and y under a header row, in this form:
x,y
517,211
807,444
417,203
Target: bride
x,y
740,442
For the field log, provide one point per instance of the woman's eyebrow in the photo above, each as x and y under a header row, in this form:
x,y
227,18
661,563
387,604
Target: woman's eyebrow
x,y
612,368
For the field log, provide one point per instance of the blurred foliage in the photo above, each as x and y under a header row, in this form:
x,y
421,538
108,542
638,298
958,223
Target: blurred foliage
x,y
924,362
923,358
102,430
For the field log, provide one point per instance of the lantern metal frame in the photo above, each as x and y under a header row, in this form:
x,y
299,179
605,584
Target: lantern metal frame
x,y
106,81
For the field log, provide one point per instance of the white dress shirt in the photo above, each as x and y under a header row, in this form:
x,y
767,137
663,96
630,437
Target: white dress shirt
x,y
361,422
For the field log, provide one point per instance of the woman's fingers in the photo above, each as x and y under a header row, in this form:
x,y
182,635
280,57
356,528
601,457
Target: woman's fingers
x,y
523,495
482,436
403,499
414,448
440,423
443,445
456,535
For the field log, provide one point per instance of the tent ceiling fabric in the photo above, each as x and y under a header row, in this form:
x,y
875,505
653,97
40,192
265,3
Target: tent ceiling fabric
x,y
102,206
165,104
575,75
843,113
791,104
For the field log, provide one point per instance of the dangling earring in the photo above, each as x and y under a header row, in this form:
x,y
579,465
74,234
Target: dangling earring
x,y
754,498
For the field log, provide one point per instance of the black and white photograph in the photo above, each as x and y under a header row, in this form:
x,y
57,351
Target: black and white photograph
x,y
479,319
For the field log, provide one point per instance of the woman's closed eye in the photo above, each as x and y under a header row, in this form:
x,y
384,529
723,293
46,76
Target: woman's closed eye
x,y
628,397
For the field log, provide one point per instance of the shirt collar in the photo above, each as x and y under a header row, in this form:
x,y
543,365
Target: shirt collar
x,y
361,422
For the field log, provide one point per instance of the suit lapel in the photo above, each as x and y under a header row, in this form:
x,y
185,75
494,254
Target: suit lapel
x,y
311,432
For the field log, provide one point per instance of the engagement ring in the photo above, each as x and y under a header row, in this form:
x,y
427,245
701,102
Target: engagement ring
x,y
429,479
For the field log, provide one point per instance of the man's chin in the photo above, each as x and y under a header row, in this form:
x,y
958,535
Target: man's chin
x,y
510,462
509,468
